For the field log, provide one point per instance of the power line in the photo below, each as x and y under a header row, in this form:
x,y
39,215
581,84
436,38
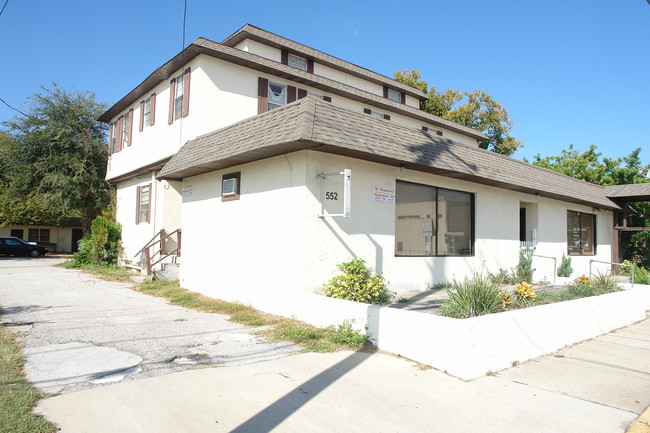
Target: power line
x,y
13,108
7,1
185,19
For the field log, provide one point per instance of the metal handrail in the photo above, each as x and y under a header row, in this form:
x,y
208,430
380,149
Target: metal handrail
x,y
554,264
612,263
149,256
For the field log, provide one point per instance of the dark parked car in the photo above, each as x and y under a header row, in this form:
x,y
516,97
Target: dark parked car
x,y
10,245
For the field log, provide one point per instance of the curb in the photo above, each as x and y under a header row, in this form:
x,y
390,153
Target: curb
x,y
641,424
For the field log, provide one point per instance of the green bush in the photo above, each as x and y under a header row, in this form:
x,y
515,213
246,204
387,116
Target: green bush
x,y
605,283
565,269
641,275
101,246
358,284
524,270
473,297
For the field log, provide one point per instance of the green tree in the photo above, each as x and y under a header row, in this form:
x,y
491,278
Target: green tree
x,y
54,160
629,169
475,109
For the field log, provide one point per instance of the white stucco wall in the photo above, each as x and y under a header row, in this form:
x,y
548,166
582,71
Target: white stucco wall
x,y
296,250
165,214
251,245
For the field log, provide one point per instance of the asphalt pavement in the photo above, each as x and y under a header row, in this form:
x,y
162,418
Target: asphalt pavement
x,y
601,385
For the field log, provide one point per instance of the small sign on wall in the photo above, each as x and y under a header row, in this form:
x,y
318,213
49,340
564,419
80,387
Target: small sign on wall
x,y
187,190
384,194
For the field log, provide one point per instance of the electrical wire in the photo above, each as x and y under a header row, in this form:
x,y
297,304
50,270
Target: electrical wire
x,y
13,108
7,1
185,20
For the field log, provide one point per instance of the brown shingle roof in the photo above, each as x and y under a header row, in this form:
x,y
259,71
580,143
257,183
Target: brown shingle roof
x,y
268,38
313,124
243,58
635,191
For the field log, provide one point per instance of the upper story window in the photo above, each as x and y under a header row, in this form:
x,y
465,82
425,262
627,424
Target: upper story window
x,y
277,95
148,112
112,137
179,96
394,95
297,62
581,233
126,129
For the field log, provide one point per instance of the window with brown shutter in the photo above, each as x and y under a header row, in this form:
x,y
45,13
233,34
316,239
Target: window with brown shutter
x,y
302,93
152,116
186,92
262,95
120,134
129,131
327,99
111,132
172,96
291,94
141,116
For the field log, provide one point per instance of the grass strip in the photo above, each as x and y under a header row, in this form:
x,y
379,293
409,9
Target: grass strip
x,y
17,396
277,328
105,272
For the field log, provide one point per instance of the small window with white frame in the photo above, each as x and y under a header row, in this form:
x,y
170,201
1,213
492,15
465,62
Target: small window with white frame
x,y
178,98
277,96
297,62
147,112
230,186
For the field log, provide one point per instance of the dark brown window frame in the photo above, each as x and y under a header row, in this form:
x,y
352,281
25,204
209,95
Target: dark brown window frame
x,y
237,194
594,234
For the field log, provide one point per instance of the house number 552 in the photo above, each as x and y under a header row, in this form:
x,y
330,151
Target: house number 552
x,y
331,195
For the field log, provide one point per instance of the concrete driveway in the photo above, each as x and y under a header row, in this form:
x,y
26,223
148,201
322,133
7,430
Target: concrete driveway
x,y
597,386
82,332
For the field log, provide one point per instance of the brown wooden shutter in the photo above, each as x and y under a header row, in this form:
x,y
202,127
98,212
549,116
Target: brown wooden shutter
x,y
402,97
310,66
327,99
425,129
385,91
262,95
111,128
439,132
137,204
302,93
141,116
152,112
186,92
291,94
149,206
120,134
284,57
386,116
172,95
129,136
367,110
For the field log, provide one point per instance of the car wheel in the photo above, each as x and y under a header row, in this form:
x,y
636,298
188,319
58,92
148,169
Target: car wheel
x,y
35,253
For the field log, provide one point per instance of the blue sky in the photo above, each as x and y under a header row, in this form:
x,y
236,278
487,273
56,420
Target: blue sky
x,y
569,72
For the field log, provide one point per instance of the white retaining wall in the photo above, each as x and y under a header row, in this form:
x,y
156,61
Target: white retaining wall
x,y
470,348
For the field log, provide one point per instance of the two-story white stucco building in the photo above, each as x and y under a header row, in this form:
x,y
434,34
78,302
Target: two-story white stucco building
x,y
277,162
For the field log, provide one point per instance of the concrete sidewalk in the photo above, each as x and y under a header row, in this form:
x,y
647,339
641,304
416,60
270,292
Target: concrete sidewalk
x,y
601,385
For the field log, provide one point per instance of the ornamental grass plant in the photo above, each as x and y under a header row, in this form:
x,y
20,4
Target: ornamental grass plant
x,y
473,297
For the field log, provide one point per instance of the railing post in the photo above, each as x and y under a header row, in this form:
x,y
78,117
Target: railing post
x,y
178,241
162,241
147,261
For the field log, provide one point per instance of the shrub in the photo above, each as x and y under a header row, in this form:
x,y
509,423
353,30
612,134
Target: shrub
x,y
641,275
358,284
605,283
473,297
565,269
581,288
101,246
502,277
525,291
524,270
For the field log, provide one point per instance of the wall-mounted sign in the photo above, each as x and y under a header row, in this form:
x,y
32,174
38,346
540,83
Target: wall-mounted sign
x,y
384,194
187,190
